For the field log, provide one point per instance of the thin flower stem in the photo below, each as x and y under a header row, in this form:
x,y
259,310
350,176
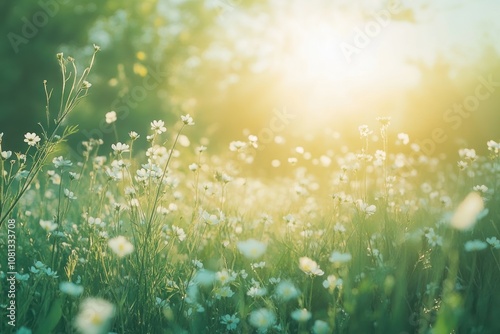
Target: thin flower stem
x,y
41,155
75,73
63,89
151,218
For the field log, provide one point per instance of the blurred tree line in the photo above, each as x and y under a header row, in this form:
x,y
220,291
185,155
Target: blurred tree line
x,y
140,72
161,59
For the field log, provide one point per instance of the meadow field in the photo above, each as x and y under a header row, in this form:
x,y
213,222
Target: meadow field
x,y
372,237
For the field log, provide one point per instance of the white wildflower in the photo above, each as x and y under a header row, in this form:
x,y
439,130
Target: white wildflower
x,y
71,289
48,225
31,138
262,319
310,267
187,120
465,215
321,327
158,127
301,315
120,246
251,248
95,316
111,117
286,291
475,245
338,258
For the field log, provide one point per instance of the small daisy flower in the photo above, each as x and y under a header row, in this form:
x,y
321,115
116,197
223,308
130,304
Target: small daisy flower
x,y
178,233
253,141
256,291
224,277
6,154
158,127
462,165
384,121
231,321
71,289
133,135
187,119
339,228
73,176
95,316
475,245
380,155
433,239
60,162
338,258
193,167
310,267
121,246
86,84
364,131
493,147
197,263
223,292
111,117
48,225
236,146
262,319
301,315
120,148
466,214
251,248
31,138
212,219
286,291
332,282
480,188
468,154
369,210
22,277
69,194
39,265
403,139
258,265
494,242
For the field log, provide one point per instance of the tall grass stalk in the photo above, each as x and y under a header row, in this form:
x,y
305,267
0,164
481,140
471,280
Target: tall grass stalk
x,y
51,134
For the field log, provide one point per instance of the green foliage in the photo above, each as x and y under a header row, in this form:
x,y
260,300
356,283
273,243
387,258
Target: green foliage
x,y
52,318
17,178
144,233
162,245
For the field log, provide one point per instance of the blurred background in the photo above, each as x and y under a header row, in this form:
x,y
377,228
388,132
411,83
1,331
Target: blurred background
x,y
305,72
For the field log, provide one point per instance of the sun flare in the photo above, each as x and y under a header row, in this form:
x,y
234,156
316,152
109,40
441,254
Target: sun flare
x,y
312,64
